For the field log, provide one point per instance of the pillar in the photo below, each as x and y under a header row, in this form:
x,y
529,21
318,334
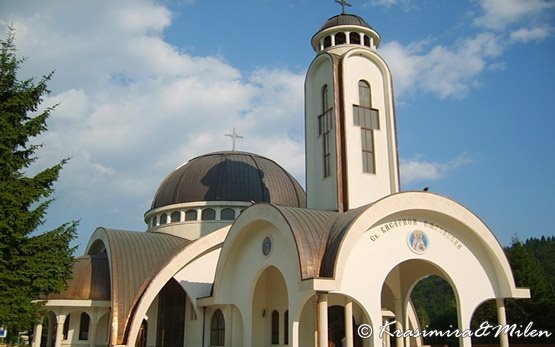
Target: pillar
x,y
349,342
92,332
502,320
322,320
59,330
399,318
37,335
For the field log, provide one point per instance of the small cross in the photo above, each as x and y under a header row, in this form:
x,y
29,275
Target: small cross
x,y
343,3
234,136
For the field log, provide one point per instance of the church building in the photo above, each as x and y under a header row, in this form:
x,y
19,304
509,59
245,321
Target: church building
x,y
236,253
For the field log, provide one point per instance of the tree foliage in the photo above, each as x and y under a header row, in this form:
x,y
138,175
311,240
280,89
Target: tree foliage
x,y
32,264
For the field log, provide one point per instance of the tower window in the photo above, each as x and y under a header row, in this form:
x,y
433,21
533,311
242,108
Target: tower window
x,y
286,328
368,119
366,41
324,129
163,219
275,327
327,41
65,332
340,39
217,329
354,38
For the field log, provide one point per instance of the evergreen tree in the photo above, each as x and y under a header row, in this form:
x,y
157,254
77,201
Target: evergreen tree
x,y
32,264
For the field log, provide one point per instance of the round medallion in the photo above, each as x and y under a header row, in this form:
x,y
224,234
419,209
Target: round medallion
x,y
267,245
418,241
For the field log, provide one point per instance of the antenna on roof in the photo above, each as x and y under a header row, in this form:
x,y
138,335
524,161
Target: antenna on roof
x,y
343,3
234,136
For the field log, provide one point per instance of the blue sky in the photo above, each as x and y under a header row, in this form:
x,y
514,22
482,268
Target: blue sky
x,y
144,86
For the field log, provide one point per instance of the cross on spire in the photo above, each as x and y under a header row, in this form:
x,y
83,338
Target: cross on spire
x,y
234,136
343,3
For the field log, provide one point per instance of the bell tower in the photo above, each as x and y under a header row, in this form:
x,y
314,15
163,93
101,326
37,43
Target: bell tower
x,y
351,146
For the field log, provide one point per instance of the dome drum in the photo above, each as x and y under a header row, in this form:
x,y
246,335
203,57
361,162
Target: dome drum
x,y
345,29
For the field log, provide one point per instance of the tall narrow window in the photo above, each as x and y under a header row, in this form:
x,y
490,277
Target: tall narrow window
x,y
84,326
286,328
217,329
324,129
65,332
354,38
368,119
163,219
275,327
340,39
327,41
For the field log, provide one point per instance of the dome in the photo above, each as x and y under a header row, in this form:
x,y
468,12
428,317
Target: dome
x,y
230,176
345,19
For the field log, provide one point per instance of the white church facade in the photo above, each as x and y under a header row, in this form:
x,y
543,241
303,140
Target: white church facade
x,y
237,254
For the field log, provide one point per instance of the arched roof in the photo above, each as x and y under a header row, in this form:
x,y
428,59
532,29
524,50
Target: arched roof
x,y
90,281
134,259
230,176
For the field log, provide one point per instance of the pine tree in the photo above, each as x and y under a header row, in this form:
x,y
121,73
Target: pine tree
x,y
32,264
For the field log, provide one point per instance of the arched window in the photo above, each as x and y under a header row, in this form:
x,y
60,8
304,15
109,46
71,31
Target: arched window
x,y
191,215
366,41
153,223
175,216
324,129
84,326
163,219
65,332
340,39
217,329
368,119
327,41
286,328
275,327
354,38
208,214
227,214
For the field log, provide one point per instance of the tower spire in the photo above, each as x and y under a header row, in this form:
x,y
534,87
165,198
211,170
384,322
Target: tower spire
x,y
343,3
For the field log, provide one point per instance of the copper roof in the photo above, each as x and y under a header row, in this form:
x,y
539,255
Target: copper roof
x,y
91,280
345,19
135,258
230,176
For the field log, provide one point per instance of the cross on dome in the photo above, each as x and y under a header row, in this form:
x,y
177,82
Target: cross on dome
x,y
234,136
343,3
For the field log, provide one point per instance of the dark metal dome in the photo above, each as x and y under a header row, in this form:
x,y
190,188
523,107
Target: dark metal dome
x,y
345,19
230,176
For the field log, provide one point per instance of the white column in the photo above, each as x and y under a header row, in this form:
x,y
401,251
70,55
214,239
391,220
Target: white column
x,y
92,332
399,342
502,320
59,330
387,338
322,320
349,323
228,325
37,335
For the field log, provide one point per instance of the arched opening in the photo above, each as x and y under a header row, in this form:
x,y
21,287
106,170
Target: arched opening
x,y
217,329
354,38
340,39
270,298
163,219
417,295
171,315
65,332
286,327
84,326
327,41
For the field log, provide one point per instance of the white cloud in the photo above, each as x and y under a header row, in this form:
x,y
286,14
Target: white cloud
x,y
418,170
498,14
133,107
441,70
531,34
